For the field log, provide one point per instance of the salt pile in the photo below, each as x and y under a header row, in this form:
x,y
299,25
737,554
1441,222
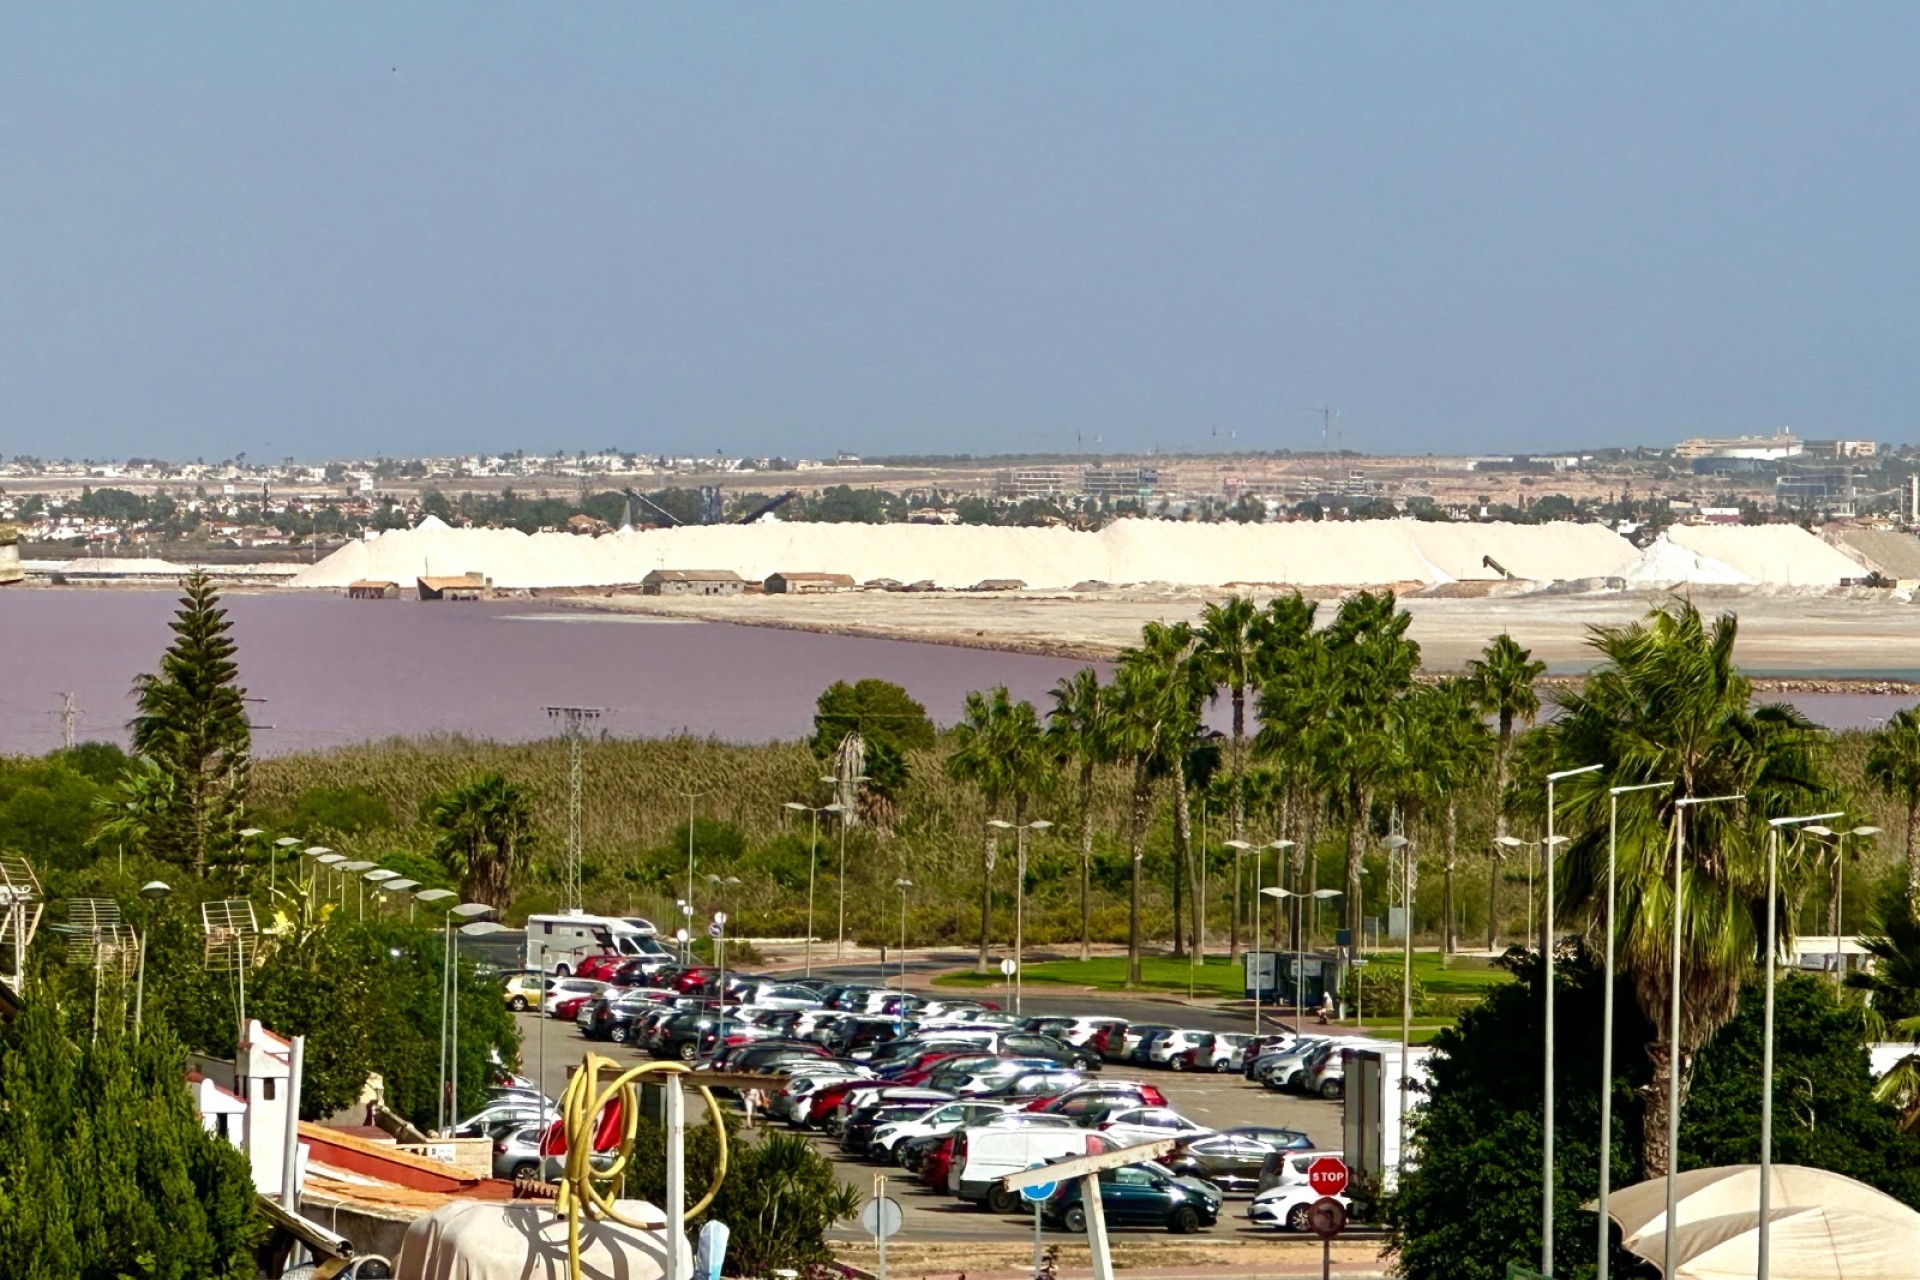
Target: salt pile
x,y
1667,564
1361,553
1775,555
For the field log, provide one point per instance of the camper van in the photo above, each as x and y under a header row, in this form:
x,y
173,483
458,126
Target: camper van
x,y
557,943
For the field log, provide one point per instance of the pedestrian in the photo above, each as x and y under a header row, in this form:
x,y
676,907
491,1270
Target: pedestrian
x,y
1326,1007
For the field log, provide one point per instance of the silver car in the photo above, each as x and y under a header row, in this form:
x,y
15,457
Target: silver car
x,y
516,1153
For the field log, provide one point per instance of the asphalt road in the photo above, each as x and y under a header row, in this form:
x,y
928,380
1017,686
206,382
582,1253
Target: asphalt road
x,y
1220,1101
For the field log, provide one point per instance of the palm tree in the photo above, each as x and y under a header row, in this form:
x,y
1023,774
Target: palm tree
x,y
1368,666
1668,704
1503,677
1228,654
1893,765
485,837
1000,749
1078,733
1152,708
1444,751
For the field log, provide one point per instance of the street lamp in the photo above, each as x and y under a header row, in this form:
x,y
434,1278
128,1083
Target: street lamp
x,y
1279,893
840,931
1606,1022
903,885
1840,888
1673,1031
1259,860
152,891
1766,1052
1406,848
467,912
286,843
473,929
1019,894
691,797
1515,842
1552,842
813,858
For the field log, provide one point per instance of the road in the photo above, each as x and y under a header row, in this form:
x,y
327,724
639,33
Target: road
x,y
1221,1101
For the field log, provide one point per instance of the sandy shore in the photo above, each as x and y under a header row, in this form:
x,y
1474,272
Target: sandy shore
x,y
1802,642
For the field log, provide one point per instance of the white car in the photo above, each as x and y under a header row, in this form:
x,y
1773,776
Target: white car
x,y
1285,1207
1170,1050
1138,1125
955,1115
566,989
781,995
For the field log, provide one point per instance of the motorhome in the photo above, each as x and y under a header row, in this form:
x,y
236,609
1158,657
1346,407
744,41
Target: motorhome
x,y
557,943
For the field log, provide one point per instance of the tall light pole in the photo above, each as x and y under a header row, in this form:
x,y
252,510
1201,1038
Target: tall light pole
x,y
1840,890
1259,861
1552,843
1606,1022
846,813
1019,895
691,797
273,860
152,891
1673,1030
1772,961
903,885
1512,842
572,723
813,858
1406,848
1280,893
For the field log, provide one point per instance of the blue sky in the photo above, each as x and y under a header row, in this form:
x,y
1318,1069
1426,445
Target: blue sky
x,y
329,230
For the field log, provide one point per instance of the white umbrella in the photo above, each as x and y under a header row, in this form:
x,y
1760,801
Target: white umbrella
x,y
1826,1226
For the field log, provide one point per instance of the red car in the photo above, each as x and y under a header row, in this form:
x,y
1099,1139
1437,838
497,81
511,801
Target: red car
x,y
599,967
690,981
934,1169
569,1009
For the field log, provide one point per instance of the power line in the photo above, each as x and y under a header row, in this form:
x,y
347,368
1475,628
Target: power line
x,y
572,718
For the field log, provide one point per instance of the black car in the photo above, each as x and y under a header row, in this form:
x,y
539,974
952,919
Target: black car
x,y
760,1055
1229,1161
686,1036
1140,1195
1278,1139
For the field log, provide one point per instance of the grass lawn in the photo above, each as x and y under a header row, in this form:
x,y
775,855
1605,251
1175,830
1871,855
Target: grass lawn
x,y
1464,977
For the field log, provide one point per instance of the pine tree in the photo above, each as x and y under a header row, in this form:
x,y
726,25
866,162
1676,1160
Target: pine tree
x,y
192,724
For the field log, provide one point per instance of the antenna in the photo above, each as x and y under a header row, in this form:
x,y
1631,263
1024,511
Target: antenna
x,y
69,716
572,718
97,939
20,908
232,943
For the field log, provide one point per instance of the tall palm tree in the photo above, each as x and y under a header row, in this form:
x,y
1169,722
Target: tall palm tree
x,y
1368,666
1228,655
1000,749
1444,752
1078,732
1893,765
1504,678
484,836
1668,704
1152,712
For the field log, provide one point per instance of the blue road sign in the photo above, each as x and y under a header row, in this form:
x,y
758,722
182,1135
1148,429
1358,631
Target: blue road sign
x,y
1040,1190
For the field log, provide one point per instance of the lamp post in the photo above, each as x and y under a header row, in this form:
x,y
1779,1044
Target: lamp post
x,y
1673,1030
1606,1022
903,885
1019,894
254,833
691,797
152,891
1840,889
813,858
1281,893
1515,842
846,812
1766,1053
1551,843
273,860
473,929
1259,861
1406,848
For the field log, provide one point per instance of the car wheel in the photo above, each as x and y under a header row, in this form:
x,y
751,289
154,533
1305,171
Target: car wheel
x,y
1083,1064
518,1004
1297,1218
618,1033
1332,1089
1074,1219
1176,1064
1002,1201
1184,1221
689,1051
526,1170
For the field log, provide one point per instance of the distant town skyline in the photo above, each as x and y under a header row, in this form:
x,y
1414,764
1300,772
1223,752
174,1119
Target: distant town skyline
x,y
987,229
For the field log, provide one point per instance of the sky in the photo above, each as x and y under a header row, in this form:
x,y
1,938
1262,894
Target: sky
x,y
338,230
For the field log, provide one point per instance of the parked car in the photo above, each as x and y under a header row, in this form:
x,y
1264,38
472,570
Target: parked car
x,y
516,1153
524,989
1140,1195
1138,1040
1046,1083
1171,1049
1286,1071
1229,1161
984,1154
889,1138
1222,1053
494,1117
763,1055
1285,1207
1286,1168
1130,1127
562,990
1277,1138
1095,1098
857,1131
780,995
982,1075
1267,1055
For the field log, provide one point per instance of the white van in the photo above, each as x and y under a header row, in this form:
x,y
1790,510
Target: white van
x,y
984,1154
557,943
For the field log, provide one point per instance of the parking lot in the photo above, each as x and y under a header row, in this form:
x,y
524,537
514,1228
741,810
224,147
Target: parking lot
x,y
1219,1101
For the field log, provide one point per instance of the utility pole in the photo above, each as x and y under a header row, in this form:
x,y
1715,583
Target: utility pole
x,y
571,720
691,797
69,716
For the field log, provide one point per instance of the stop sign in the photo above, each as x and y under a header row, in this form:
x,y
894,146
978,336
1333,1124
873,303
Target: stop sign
x,y
1328,1175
